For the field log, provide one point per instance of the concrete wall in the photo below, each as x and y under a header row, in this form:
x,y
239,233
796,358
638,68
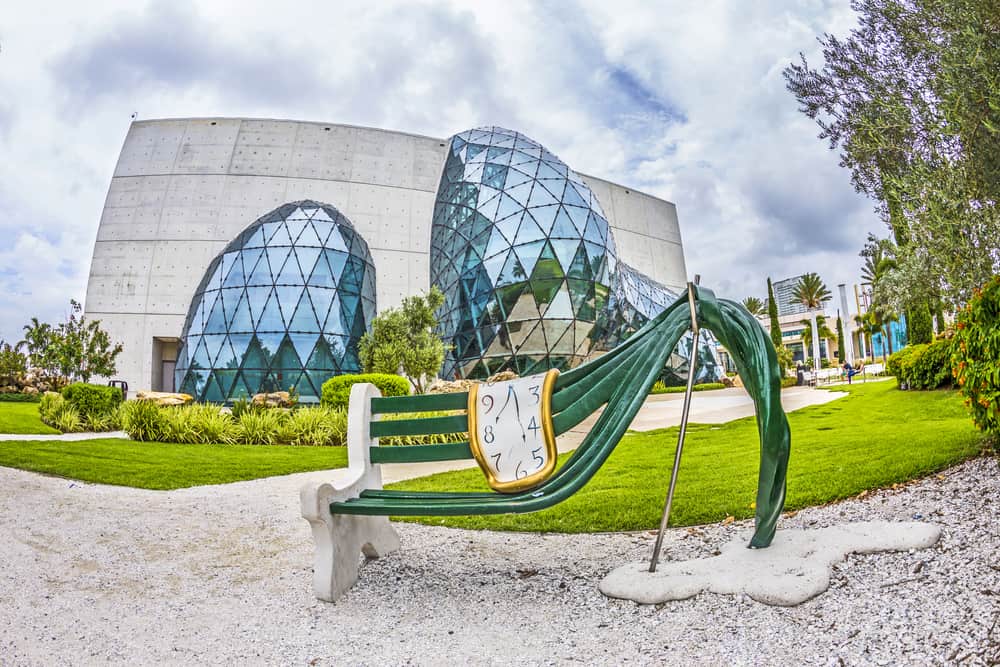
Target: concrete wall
x,y
184,188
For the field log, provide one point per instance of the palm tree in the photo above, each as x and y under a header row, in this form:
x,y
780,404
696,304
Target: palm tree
x,y
755,306
812,293
822,328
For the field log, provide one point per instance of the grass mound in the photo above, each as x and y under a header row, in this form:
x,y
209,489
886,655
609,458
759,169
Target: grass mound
x,y
875,437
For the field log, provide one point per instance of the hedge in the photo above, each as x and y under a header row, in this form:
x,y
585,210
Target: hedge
x,y
20,398
337,390
92,400
976,357
922,366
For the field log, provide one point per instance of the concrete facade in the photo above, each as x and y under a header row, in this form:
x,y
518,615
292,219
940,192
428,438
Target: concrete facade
x,y
184,188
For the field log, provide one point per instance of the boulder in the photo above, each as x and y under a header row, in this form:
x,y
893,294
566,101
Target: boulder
x,y
277,399
31,391
450,387
163,398
503,376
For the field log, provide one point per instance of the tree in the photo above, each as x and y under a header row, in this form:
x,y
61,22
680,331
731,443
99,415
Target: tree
x,y
754,305
841,349
823,331
811,291
912,99
772,313
37,343
75,349
403,340
13,363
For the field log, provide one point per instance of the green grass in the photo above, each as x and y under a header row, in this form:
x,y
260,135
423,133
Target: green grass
x,y
154,465
22,419
875,437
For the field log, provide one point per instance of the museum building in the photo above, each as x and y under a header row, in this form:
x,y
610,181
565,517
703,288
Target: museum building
x,y
239,255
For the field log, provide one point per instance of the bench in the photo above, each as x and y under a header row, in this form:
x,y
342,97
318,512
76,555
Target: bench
x,y
353,518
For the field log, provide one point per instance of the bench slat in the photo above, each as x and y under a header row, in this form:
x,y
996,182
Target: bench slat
x,y
452,451
425,426
419,403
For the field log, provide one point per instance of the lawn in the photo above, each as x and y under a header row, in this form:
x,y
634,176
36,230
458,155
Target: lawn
x,y
22,419
154,465
875,437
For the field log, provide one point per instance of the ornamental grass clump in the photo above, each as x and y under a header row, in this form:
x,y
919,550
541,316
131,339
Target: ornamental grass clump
x,y
976,357
144,421
57,412
315,426
260,427
198,424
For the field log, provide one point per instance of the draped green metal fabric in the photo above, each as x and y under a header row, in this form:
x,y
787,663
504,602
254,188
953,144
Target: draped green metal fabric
x,y
619,380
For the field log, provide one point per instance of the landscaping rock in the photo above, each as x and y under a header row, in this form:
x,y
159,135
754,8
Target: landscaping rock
x,y
450,387
503,376
277,399
163,398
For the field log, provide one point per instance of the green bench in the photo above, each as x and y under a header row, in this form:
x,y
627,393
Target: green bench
x,y
352,518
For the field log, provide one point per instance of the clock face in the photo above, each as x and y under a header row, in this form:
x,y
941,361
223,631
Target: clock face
x,y
510,430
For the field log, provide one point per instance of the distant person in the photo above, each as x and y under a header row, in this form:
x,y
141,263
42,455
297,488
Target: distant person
x,y
851,371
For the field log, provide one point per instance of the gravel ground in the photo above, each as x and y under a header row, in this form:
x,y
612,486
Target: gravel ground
x,y
98,574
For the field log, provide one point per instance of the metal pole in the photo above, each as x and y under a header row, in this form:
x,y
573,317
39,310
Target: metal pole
x,y
692,364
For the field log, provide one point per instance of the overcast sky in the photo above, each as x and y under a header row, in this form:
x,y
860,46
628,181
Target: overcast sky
x,y
684,100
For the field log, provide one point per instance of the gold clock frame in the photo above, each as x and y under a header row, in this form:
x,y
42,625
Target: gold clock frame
x,y
548,438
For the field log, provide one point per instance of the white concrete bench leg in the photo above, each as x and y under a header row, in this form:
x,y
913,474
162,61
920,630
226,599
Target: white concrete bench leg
x,y
341,538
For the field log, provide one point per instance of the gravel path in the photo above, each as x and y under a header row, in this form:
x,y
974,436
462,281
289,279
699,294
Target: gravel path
x,y
98,574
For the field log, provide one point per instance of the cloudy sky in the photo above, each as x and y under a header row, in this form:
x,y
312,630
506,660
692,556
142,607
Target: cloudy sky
x,y
684,100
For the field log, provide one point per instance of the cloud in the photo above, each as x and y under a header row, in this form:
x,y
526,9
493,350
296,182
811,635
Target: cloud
x,y
685,101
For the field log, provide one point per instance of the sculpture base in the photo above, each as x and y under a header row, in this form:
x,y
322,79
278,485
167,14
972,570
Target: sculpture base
x,y
795,568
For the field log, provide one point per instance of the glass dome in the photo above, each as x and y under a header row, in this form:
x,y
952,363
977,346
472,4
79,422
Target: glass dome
x,y
283,305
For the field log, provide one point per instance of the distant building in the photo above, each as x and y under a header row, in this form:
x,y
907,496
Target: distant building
x,y
784,295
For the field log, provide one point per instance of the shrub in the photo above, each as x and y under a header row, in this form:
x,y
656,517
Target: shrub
x,y
58,413
197,424
260,427
899,363
20,398
922,366
931,368
143,420
976,356
315,426
337,390
789,382
92,399
68,420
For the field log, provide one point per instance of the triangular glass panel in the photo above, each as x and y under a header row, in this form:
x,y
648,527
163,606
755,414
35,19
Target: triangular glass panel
x,y
338,241
276,257
563,227
304,343
565,250
270,342
307,259
596,231
286,357
561,306
580,266
572,197
528,232
321,275
261,273
242,320
540,196
225,378
304,318
280,236
337,261
270,318
213,392
579,217
290,273
545,291
200,359
288,297
230,299
528,255
318,377
295,228
547,265
508,207
521,193
321,299
321,358
213,344
216,322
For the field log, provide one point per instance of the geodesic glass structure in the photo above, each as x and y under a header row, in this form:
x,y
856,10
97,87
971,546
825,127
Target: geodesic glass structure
x,y
523,253
283,305
527,263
